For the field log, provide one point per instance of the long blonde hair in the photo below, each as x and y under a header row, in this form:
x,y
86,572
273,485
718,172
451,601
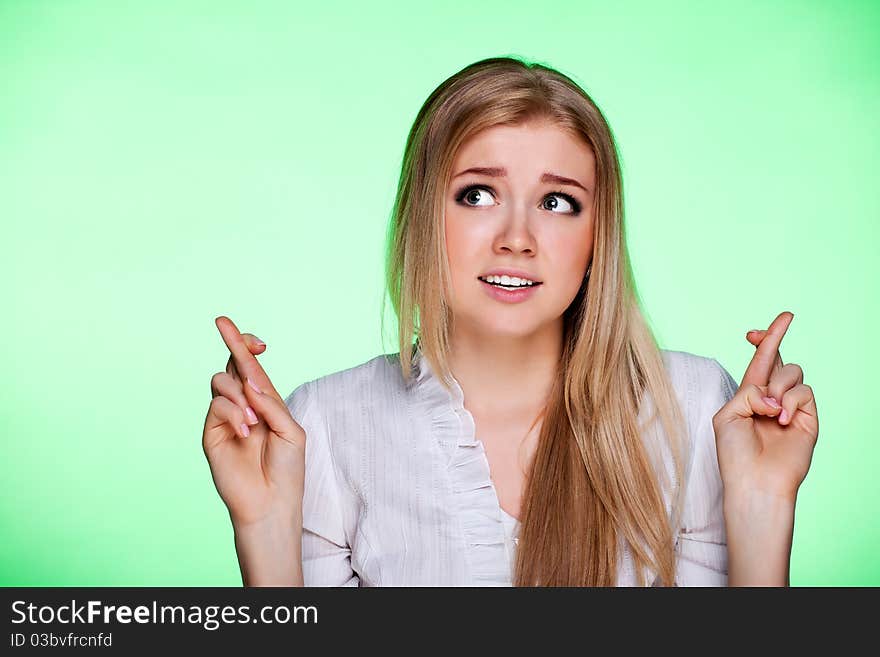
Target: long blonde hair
x,y
593,480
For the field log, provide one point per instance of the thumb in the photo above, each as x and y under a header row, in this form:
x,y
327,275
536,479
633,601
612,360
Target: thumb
x,y
749,400
275,413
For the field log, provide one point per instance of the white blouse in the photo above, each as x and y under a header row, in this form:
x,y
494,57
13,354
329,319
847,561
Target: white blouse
x,y
398,489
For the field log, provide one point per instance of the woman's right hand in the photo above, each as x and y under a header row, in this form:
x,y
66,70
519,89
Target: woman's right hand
x,y
258,468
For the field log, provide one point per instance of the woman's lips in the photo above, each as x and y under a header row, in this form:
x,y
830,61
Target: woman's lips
x,y
509,296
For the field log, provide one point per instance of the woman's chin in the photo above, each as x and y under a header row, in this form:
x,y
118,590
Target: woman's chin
x,y
509,330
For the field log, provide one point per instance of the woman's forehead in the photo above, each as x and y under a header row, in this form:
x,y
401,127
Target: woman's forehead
x,y
526,151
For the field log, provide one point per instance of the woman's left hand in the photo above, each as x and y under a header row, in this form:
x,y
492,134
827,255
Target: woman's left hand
x,y
763,447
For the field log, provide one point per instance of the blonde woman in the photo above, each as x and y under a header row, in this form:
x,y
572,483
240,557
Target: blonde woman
x,y
529,431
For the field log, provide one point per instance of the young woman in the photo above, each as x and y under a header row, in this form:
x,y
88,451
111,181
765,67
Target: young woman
x,y
529,431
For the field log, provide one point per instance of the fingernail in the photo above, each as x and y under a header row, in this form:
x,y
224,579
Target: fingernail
x,y
245,430
253,385
260,343
252,417
771,402
783,416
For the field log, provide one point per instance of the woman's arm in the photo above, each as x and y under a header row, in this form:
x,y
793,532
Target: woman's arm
x,y
270,553
759,536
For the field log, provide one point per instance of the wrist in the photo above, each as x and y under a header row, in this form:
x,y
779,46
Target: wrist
x,y
280,512
752,499
270,523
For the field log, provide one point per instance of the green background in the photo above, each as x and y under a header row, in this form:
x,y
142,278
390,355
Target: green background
x,y
165,163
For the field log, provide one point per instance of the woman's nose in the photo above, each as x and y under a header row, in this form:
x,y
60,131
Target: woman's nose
x,y
516,234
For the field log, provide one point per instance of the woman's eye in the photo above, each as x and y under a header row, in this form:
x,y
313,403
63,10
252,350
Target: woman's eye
x,y
473,195
573,206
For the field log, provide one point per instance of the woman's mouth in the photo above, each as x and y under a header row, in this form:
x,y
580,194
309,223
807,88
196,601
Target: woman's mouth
x,y
509,293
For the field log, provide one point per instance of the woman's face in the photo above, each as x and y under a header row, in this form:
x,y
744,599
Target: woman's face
x,y
529,208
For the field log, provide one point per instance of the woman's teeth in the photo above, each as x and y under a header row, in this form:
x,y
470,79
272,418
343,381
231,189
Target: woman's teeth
x,y
508,282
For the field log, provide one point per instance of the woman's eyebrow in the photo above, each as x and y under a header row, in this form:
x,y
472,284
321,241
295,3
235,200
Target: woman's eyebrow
x,y
501,172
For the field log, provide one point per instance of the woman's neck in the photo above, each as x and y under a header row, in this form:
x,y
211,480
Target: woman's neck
x,y
499,375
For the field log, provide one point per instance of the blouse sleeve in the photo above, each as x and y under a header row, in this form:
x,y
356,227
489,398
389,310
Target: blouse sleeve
x,y
701,546
326,553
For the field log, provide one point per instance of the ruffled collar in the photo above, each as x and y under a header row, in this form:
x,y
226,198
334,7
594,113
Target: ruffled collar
x,y
488,550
